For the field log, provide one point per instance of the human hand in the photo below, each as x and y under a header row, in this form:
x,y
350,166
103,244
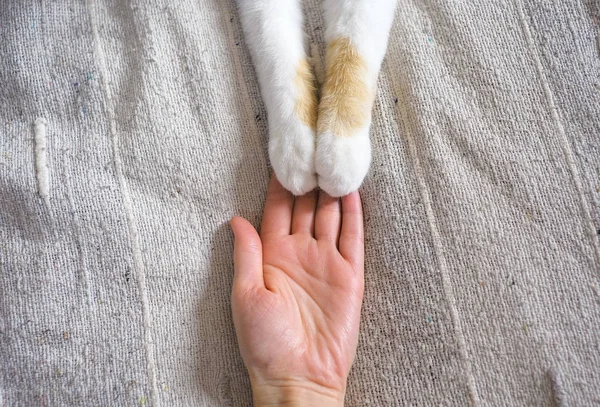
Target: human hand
x,y
296,296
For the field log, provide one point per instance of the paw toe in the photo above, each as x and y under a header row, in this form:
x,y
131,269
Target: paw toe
x,y
342,162
293,160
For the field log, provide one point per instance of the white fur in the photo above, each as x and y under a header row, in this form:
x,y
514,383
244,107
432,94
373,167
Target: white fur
x,y
273,31
343,162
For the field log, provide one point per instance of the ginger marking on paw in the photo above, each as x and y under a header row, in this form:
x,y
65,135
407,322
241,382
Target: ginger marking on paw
x,y
346,99
306,104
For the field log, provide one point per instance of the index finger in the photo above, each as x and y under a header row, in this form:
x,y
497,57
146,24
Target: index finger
x,y
352,238
277,215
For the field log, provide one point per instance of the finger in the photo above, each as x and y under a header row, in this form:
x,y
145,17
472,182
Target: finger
x,y
328,218
303,218
352,241
247,256
277,216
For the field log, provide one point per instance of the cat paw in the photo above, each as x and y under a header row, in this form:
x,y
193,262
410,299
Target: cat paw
x,y
342,162
292,155
343,151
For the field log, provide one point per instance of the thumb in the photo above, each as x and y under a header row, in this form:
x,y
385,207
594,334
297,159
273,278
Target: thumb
x,y
247,255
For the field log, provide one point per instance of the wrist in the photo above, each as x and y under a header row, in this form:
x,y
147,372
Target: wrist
x,y
294,393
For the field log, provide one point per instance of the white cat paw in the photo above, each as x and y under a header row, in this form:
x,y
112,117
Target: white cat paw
x,y
342,162
292,154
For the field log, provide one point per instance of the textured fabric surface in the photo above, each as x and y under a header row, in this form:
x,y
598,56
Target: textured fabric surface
x,y
482,205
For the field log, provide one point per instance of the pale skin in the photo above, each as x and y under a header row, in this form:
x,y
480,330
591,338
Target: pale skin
x,y
296,296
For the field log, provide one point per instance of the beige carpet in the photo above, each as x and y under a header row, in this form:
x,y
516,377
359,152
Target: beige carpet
x,y
482,204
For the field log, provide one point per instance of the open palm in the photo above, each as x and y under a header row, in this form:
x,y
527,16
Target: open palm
x,y
298,289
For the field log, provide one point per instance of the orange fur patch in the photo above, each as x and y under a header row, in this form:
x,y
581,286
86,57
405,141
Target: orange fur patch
x,y
345,99
306,104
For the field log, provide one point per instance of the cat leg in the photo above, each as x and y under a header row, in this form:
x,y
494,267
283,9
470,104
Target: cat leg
x,y
356,35
274,33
